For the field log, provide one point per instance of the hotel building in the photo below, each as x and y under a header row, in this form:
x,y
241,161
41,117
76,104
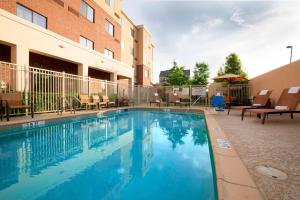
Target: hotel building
x,y
90,38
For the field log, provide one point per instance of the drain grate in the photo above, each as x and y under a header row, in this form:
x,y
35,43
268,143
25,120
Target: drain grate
x,y
271,172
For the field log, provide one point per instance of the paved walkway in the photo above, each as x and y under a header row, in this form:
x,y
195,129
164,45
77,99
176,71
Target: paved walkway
x,y
275,144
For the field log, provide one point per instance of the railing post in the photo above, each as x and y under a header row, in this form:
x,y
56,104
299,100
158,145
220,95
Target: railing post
x,y
26,85
63,91
88,78
105,87
138,94
190,94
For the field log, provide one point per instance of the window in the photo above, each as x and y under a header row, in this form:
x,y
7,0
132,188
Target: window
x,y
132,51
122,22
111,3
146,58
109,28
132,32
108,53
146,40
146,73
31,16
122,44
87,11
86,42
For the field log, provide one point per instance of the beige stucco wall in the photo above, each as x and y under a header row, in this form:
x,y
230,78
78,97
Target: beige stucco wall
x,y
146,49
29,37
114,12
278,79
129,41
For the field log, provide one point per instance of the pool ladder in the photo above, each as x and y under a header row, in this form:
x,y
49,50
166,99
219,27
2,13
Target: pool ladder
x,y
68,103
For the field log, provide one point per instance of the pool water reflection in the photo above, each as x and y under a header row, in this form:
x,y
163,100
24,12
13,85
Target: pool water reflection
x,y
130,155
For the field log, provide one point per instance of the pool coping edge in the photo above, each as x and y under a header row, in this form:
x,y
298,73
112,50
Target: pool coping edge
x,y
233,179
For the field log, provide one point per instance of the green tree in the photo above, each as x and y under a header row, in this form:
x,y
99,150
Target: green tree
x,y
176,76
233,65
221,71
201,74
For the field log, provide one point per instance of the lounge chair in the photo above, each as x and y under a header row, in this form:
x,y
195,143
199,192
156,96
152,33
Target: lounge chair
x,y
85,100
261,100
287,103
218,102
13,101
175,99
125,101
107,102
155,99
96,100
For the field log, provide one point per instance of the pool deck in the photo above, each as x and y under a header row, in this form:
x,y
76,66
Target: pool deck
x,y
238,147
275,144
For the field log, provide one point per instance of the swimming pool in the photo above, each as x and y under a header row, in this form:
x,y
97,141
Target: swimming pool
x,y
134,154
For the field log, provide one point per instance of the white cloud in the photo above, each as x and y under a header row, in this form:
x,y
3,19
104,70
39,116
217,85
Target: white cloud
x,y
206,26
210,35
236,17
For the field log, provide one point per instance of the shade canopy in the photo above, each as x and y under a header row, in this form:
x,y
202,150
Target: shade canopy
x,y
230,78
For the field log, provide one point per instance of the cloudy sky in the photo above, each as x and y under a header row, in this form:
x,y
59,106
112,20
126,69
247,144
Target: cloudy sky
x,y
196,31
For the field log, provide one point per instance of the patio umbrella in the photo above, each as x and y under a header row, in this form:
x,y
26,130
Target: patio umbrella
x,y
229,78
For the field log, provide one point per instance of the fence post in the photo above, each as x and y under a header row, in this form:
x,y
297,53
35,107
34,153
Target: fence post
x,y
147,89
105,87
138,96
63,91
88,80
190,95
26,85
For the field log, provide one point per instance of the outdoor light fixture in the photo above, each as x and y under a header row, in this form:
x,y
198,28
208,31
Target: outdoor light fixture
x,y
290,47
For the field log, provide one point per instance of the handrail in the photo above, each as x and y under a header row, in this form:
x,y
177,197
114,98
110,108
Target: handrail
x,y
64,100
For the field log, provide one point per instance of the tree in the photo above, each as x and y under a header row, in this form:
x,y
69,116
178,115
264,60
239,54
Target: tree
x,y
201,74
233,65
176,76
221,71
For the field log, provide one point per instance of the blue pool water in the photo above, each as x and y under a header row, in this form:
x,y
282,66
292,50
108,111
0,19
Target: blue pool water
x,y
136,154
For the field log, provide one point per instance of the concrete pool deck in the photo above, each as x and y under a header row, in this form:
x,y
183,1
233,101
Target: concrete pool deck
x,y
275,144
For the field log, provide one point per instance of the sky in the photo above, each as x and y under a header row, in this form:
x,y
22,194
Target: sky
x,y
208,31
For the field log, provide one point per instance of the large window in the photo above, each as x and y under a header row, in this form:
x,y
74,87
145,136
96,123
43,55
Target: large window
x,y
31,16
122,22
146,74
131,31
108,53
87,11
111,3
86,42
109,28
122,45
132,51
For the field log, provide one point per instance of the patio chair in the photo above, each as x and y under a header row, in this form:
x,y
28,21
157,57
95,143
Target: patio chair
x,y
13,101
287,103
218,102
107,102
175,99
85,100
96,100
125,101
155,99
261,100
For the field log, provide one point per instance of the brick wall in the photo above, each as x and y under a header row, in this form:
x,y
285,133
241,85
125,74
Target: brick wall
x,y
64,18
